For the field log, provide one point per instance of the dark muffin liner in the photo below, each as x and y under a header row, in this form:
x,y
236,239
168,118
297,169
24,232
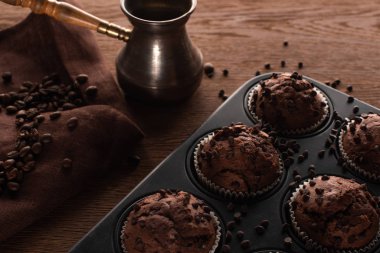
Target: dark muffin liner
x,y
349,164
314,246
226,193
212,250
300,131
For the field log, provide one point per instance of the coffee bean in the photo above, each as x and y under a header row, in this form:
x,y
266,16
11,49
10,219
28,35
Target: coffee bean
x,y
240,235
246,244
37,148
68,106
91,91
55,115
259,230
29,166
228,237
209,69
231,225
226,248
67,163
321,153
81,78
237,217
46,138
13,186
288,242
7,77
72,123
24,151
11,109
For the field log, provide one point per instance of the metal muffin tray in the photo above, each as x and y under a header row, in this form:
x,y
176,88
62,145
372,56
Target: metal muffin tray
x,y
176,172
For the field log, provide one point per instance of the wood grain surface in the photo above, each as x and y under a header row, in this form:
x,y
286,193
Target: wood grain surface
x,y
333,38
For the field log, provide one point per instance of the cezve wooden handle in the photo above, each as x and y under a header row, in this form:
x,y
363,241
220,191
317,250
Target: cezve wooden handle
x,y
68,13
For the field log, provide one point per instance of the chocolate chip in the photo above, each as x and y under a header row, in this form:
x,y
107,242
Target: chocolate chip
x,y
355,109
221,93
224,97
300,159
349,88
305,198
312,183
325,178
285,43
300,65
72,123
267,65
82,78
67,163
319,191
225,72
257,73
246,244
264,223
283,64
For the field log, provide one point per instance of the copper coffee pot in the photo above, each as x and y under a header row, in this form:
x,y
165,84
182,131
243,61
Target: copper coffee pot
x,y
159,64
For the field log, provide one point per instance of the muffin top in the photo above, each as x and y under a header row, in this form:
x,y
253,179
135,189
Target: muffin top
x,y
288,102
170,222
336,212
361,142
239,158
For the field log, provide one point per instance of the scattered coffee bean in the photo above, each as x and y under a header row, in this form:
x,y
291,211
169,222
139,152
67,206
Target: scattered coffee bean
x,y
300,65
55,115
91,91
267,65
37,148
265,223
349,88
225,72
246,244
67,163
237,217
228,238
288,242
72,123
226,248
7,77
11,109
209,69
259,230
82,78
321,153
355,109
240,235
231,225
13,186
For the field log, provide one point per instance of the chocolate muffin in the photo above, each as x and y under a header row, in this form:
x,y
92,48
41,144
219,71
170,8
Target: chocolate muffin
x,y
238,159
289,103
335,213
360,145
170,222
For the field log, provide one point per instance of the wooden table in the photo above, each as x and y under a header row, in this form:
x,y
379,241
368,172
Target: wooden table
x,y
333,38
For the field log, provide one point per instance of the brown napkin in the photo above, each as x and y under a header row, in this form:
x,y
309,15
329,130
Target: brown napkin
x,y
104,134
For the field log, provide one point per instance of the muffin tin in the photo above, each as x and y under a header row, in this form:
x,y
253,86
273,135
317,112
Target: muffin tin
x,y
176,172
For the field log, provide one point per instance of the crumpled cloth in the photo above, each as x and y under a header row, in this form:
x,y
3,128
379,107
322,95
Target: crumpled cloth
x,y
105,134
